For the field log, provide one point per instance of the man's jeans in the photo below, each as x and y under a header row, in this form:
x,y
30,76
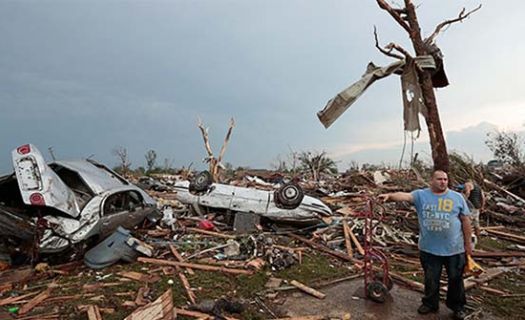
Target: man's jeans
x,y
432,265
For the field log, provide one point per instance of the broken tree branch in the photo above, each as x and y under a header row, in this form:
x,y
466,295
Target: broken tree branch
x,y
462,16
384,51
205,137
226,140
399,48
394,13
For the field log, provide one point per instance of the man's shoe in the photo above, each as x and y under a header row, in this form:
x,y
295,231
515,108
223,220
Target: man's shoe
x,y
424,309
460,315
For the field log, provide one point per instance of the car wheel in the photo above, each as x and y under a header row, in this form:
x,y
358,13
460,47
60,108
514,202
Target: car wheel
x,y
289,196
376,291
201,182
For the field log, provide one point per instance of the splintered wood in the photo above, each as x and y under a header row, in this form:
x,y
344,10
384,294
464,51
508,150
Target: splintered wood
x,y
346,230
35,301
160,309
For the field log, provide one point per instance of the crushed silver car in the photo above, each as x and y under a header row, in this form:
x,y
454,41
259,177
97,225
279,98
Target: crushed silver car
x,y
288,204
63,203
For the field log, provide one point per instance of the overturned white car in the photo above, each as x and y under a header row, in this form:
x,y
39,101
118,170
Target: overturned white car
x,y
54,206
288,204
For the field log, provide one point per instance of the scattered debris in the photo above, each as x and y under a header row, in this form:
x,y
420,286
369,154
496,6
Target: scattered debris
x,y
217,242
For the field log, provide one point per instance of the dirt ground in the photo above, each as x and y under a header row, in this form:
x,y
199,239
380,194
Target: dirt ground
x,y
348,298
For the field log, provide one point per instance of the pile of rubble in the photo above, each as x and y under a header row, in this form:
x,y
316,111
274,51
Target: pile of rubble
x,y
254,226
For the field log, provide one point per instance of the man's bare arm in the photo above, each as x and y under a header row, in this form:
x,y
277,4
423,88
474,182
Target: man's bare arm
x,y
467,233
396,196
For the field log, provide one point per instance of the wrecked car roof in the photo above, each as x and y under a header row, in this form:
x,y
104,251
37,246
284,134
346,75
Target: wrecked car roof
x,y
98,180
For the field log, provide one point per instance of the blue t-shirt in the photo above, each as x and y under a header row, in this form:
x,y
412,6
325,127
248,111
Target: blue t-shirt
x,y
440,231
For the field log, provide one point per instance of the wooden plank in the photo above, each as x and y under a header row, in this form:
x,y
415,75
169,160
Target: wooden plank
x,y
45,316
12,300
322,248
182,277
348,244
180,258
93,312
508,236
495,186
357,244
308,290
486,254
194,266
187,287
211,233
486,276
196,314
139,276
193,314
39,298
493,291
160,309
411,284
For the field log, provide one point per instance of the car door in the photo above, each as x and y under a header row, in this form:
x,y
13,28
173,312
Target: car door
x,y
218,196
250,200
123,208
39,185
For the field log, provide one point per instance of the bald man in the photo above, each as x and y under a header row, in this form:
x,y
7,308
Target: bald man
x,y
444,240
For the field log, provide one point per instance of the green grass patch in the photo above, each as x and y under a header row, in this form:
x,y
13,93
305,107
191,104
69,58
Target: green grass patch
x,y
314,268
512,307
490,244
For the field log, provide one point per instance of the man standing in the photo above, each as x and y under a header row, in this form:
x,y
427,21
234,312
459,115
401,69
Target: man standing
x,y
474,194
444,238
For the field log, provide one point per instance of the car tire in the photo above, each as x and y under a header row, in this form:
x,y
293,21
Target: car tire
x,y
376,291
201,182
289,196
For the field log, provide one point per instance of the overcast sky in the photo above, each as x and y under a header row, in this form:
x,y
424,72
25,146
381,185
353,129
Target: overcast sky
x,y
86,76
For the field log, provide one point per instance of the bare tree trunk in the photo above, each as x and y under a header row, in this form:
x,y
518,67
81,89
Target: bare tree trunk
x,y
435,132
213,162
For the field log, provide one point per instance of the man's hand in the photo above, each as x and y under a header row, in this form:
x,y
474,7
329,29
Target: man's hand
x,y
396,196
385,197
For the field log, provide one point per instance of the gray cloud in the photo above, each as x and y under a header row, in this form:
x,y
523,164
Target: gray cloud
x,y
85,76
